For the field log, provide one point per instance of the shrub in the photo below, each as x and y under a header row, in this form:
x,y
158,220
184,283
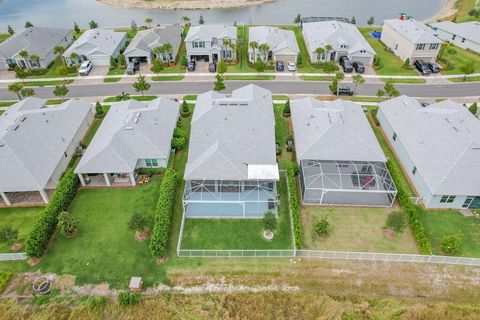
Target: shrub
x,y
374,112
163,214
126,299
396,222
46,223
8,234
185,109
113,62
4,280
98,109
323,227
259,65
294,203
67,223
96,303
150,171
179,139
473,108
137,222
451,243
123,61
221,67
286,109
299,60
269,221
184,61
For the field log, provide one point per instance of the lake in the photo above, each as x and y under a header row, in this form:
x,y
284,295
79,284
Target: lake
x,y
62,13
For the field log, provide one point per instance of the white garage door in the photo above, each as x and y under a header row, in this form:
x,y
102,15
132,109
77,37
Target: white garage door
x,y
100,61
365,60
286,58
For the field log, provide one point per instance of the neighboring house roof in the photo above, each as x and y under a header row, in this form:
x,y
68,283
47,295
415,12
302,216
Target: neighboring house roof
x,y
39,41
146,40
233,138
33,140
415,31
206,32
335,130
442,140
276,38
96,42
468,30
336,34
131,131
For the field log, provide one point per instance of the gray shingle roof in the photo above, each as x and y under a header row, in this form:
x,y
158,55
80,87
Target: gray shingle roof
x,y
276,38
98,41
442,140
206,32
131,131
335,130
33,140
468,30
146,40
229,134
415,31
35,40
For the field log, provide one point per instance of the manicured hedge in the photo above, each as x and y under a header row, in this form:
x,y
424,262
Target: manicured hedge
x,y
163,214
294,204
46,223
412,211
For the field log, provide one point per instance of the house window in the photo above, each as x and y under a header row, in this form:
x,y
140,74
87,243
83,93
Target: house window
x,y
396,46
394,137
447,199
321,57
363,51
198,44
227,54
468,201
421,46
414,170
151,163
434,46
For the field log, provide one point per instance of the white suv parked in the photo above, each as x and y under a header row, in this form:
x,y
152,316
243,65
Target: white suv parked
x,y
291,66
85,68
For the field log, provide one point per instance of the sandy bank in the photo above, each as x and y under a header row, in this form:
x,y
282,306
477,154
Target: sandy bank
x,y
184,4
448,10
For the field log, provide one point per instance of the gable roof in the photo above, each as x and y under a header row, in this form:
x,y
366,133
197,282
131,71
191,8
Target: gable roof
x,y
33,140
276,38
336,130
206,32
468,30
335,33
442,140
229,135
98,41
35,40
415,31
146,40
131,131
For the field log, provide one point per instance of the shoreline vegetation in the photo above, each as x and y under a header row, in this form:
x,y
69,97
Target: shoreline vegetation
x,y
184,4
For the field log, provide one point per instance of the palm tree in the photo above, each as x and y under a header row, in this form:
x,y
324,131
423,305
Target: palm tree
x,y
339,77
233,46
148,21
357,80
158,50
328,49
24,55
226,43
168,49
186,20
264,49
320,52
16,88
27,92
35,58
254,46
74,58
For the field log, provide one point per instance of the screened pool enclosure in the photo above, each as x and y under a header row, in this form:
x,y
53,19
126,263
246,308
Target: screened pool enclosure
x,y
229,198
352,183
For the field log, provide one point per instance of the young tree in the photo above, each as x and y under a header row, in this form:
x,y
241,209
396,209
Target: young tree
x,y
390,90
16,88
323,227
35,58
67,223
269,221
299,60
259,65
141,85
357,80
473,108
168,49
319,52
62,72
329,67
27,92
353,21
158,50
28,24
298,19
20,73
186,21
264,49
219,84
113,62
222,67
24,55
61,91
184,61
121,60
74,58
137,222
451,243
396,222
286,109
201,20
467,69
185,109
10,30
148,21
76,28
93,24
254,46
371,21
333,86
339,77
133,25
157,67
58,50
98,109
380,94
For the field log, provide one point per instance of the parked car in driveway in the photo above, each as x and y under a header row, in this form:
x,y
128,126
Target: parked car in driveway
x,y
435,68
212,67
85,68
422,67
359,67
291,66
191,66
279,66
131,68
344,90
346,64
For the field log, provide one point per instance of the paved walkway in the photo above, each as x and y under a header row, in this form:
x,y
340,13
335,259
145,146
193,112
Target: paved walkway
x,y
13,256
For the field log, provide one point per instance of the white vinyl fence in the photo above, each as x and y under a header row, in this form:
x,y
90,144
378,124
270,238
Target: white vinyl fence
x,y
13,256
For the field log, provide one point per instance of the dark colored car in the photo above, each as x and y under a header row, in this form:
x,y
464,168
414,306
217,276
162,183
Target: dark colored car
x,y
279,66
136,63
131,68
435,68
191,66
212,67
359,67
344,90
422,67
346,64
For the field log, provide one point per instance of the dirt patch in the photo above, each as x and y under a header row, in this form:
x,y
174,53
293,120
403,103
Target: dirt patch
x,y
159,261
16,246
184,4
142,235
389,234
33,261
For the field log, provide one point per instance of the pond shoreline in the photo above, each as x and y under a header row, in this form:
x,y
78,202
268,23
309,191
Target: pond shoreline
x,y
184,4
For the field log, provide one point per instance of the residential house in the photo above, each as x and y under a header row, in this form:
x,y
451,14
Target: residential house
x,y
232,168
145,41
343,38
282,44
133,135
36,41
340,160
97,46
36,144
211,42
439,148
465,35
411,39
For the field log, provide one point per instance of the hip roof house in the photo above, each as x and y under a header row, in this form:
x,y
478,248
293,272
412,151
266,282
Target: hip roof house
x,y
341,162
36,145
232,168
133,135
465,35
439,147
39,41
282,44
344,38
211,42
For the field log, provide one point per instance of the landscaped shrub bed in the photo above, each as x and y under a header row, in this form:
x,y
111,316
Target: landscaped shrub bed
x,y
294,204
4,280
412,211
43,229
163,214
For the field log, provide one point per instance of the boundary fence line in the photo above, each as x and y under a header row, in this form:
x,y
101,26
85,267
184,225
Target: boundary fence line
x,y
13,256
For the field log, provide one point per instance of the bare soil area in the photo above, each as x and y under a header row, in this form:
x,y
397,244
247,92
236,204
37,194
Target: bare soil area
x,y
184,4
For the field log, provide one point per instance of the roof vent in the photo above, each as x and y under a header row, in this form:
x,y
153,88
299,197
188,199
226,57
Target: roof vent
x,y
135,120
23,118
16,127
128,128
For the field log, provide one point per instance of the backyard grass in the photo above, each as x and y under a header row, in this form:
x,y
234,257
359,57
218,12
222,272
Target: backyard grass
x,y
459,59
439,223
280,97
390,63
21,218
93,129
138,98
259,77
4,36
7,103
168,78
282,131
239,233
112,80
242,52
463,7
393,80
354,229
178,68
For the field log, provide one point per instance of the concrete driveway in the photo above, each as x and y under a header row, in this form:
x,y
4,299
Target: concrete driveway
x,y
7,75
99,71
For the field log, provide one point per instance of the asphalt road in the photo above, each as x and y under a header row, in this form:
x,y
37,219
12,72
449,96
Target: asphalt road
x,y
277,87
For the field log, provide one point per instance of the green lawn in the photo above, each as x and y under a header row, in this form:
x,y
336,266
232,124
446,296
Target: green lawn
x,y
438,223
316,78
282,131
190,97
463,7
253,78
21,218
458,60
242,52
391,64
46,83
469,79
392,80
168,78
93,129
116,72
4,36
280,97
52,71
112,80
139,98
354,229
239,233
7,103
